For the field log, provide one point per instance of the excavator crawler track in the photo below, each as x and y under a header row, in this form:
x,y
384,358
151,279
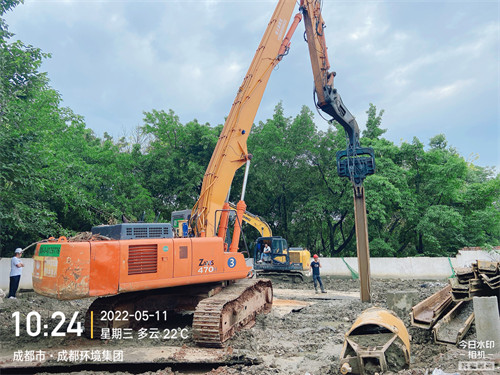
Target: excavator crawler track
x,y
288,276
219,311
218,318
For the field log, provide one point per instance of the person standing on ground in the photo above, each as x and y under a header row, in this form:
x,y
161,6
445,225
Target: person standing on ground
x,y
16,269
315,266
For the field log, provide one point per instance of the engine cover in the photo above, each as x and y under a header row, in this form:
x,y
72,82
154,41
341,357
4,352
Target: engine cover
x,y
131,231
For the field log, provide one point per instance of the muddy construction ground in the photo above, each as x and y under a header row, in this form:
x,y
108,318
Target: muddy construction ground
x,y
303,334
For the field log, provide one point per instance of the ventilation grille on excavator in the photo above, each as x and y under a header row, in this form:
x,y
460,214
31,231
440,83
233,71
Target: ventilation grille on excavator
x,y
147,232
142,259
131,231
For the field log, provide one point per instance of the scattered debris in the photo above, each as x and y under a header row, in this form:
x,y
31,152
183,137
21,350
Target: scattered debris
x,y
88,236
438,371
306,341
449,311
282,307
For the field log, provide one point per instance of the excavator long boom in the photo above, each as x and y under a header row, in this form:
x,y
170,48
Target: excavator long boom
x,y
328,99
355,162
231,150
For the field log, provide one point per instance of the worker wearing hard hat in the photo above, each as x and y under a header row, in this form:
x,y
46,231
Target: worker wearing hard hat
x,y
315,266
16,269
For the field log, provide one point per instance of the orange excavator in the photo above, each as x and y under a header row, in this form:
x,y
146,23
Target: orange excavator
x,y
143,267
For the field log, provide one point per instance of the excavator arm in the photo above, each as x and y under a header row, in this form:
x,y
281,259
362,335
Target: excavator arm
x,y
231,150
328,99
355,162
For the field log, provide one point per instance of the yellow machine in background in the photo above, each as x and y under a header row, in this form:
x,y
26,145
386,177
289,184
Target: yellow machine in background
x,y
255,221
290,262
300,255
283,261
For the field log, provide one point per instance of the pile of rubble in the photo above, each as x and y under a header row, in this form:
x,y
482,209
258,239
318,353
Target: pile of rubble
x,y
88,236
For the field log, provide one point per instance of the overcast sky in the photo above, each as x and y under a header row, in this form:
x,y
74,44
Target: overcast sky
x,y
433,66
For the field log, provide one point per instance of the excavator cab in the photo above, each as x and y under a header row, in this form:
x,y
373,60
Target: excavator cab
x,y
282,261
279,250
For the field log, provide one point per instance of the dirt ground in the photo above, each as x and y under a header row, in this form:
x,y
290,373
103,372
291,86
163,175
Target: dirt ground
x,y
305,341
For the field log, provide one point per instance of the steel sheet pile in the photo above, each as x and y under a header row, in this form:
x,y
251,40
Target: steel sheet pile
x,y
449,312
480,280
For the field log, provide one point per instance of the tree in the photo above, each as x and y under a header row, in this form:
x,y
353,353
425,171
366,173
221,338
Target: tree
x,y
176,160
58,178
22,89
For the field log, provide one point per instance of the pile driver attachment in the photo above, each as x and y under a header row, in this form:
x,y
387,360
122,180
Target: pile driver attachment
x,y
356,163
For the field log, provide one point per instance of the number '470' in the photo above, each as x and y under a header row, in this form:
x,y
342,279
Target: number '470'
x,y
206,269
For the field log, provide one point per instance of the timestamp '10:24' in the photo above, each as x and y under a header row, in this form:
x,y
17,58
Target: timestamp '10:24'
x,y
34,324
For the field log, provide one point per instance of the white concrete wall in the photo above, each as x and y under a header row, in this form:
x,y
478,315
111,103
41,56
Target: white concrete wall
x,y
425,268
467,257
391,268
25,277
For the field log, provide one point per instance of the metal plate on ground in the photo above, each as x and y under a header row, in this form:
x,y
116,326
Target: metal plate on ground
x,y
303,294
282,307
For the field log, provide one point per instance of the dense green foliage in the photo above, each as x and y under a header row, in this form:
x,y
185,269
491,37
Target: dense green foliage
x,y
58,178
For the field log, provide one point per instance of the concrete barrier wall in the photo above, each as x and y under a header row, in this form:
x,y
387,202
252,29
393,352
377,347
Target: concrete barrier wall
x,y
425,268
391,268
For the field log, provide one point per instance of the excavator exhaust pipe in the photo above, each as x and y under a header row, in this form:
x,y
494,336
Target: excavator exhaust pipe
x,y
377,342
